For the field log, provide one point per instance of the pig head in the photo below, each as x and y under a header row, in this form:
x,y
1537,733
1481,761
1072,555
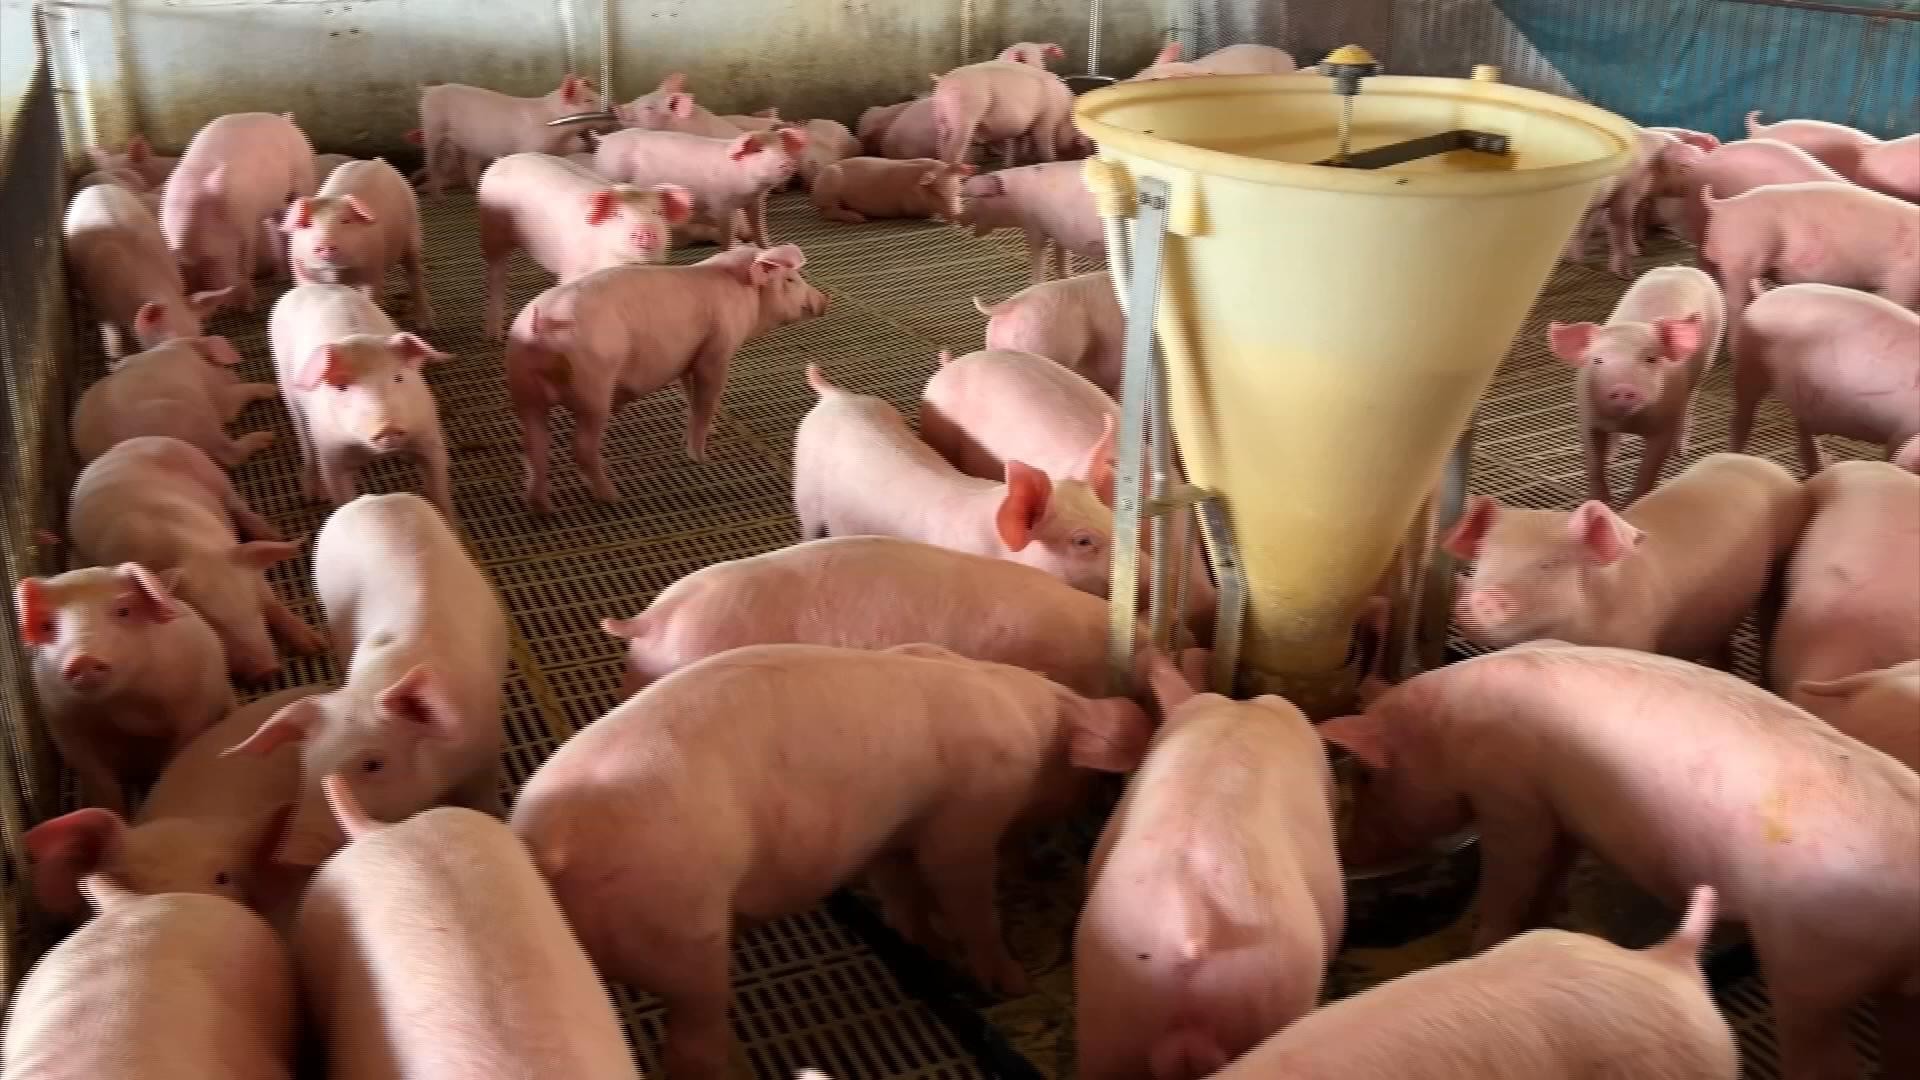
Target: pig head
x,y
1532,568
1626,366
217,856
373,389
93,627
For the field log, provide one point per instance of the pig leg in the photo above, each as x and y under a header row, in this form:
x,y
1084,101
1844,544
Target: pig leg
x,y
536,441
474,166
415,262
97,782
706,377
696,999
1811,459
589,434
758,220
338,478
1523,855
1751,384
1037,256
1812,996
1654,451
1599,447
233,400
957,858
249,524
290,628
232,453
904,900
1059,260
435,470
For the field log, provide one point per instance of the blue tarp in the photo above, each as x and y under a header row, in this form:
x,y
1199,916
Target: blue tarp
x,y
1705,64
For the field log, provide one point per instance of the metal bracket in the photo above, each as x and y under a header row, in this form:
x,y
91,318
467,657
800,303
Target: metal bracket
x,y
1232,575
1381,157
1140,381
601,117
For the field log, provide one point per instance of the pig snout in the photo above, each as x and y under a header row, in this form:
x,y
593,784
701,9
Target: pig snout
x,y
1486,609
85,672
326,252
1622,399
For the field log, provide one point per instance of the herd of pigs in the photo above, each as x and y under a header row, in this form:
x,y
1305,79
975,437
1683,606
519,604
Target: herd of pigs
x,y
922,677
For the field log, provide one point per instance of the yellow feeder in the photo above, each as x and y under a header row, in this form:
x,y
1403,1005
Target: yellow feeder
x,y
1346,257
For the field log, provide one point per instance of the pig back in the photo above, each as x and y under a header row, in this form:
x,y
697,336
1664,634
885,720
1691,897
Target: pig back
x,y
149,500
987,408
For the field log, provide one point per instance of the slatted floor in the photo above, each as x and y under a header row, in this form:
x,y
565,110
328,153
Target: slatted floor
x,y
809,992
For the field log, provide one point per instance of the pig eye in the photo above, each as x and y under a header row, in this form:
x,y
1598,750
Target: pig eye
x,y
1651,360
1595,361
46,627
1083,541
372,765
221,878
399,376
124,611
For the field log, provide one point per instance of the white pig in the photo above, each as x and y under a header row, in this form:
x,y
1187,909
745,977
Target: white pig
x,y
364,220
469,126
184,388
239,171
121,264
1074,322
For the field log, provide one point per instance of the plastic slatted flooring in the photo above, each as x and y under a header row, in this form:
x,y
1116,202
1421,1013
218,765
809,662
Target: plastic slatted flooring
x,y
808,991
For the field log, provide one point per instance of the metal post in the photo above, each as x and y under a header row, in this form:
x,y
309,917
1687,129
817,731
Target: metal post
x,y
1138,384
1231,617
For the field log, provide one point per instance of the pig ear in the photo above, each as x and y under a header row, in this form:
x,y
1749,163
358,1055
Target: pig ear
x,y
674,83
676,202
149,316
793,139
1097,468
600,205
1604,535
419,700
1569,341
139,149
357,209
323,365
743,148
155,595
624,629
1028,491
1365,737
215,349
68,848
988,186
30,607
1844,687
787,258
1109,735
680,105
292,723
415,351
1908,456
1170,687
1467,536
260,554
570,89
206,303
1681,338
1168,53
298,216
1054,52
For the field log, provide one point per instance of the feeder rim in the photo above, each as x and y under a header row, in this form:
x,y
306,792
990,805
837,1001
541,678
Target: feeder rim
x,y
1090,108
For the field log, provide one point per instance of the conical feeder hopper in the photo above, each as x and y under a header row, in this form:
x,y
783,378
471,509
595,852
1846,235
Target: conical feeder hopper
x,y
1328,324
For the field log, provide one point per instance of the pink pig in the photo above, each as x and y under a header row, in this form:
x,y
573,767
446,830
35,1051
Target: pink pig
x,y
239,171
1050,203
175,986
164,504
859,470
121,264
1002,103
872,126
1639,373
127,674
1833,234
185,388
1892,168
873,592
1035,53
138,155
1660,165
828,141
1075,322
1843,362
766,777
417,722
725,175
1880,708
570,220
1215,900
324,165
1547,1003
596,343
1677,776
1840,146
353,385
862,188
914,133
432,949
467,126
1674,576
364,220
1739,167
670,108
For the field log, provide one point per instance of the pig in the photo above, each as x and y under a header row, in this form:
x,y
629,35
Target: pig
x,y
1843,362
364,220
1048,202
417,931
1215,900
1675,575
184,388
1833,234
126,674
863,188
1892,168
1547,1003
1704,140
670,108
172,986
239,171
468,126
724,175
915,133
1036,53
121,263
424,640
209,824
1838,145
859,470
353,385
1638,374
1002,103
1880,708
1076,322
828,141
912,760
570,221
872,126
1232,60
118,177
165,504
873,592
1737,168
325,164
1660,165
1677,776
138,156
617,334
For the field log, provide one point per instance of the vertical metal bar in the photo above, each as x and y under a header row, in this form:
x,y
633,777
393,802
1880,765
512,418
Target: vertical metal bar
x,y
1160,524
1231,617
1093,37
1136,386
606,53
1436,593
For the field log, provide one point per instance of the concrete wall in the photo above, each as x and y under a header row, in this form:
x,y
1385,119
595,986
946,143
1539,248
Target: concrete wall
x,y
348,69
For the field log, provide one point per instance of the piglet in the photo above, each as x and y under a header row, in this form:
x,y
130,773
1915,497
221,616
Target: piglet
x,y
163,503
1638,374
1881,708
859,470
1892,168
1677,776
873,592
1659,166
828,141
1001,103
138,156
125,673
617,334
324,166
353,384
416,931
1739,167
1050,203
1547,1003
862,188
424,638
174,986
1843,362
570,221
1838,145
1215,900
1036,53
364,220
240,170
669,107
872,126
1833,234
769,776
1675,575
121,264
185,388
1075,322
724,175
466,126
1245,59
913,133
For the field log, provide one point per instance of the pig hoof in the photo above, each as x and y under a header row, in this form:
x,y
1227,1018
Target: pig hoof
x,y
604,492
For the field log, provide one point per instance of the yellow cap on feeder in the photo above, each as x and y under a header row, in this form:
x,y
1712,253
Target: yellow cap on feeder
x,y
1485,73
1354,55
